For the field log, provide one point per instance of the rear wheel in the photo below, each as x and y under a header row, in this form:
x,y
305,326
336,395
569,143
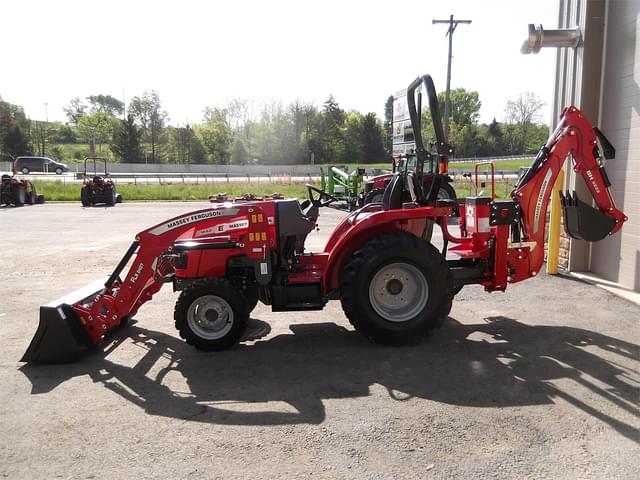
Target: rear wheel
x,y
19,196
85,197
446,192
211,315
109,196
396,288
374,196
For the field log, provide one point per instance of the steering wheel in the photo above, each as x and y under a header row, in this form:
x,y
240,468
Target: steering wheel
x,y
319,202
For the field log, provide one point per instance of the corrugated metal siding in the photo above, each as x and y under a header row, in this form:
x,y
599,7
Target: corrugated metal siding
x,y
618,258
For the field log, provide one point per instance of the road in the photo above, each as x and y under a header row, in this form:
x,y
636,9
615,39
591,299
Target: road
x,y
538,382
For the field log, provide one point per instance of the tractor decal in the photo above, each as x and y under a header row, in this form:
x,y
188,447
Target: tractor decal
x,y
178,222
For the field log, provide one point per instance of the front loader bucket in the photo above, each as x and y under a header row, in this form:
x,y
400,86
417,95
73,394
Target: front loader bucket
x,y
61,337
583,222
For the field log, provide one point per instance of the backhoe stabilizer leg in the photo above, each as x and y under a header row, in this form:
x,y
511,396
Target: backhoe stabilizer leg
x,y
582,221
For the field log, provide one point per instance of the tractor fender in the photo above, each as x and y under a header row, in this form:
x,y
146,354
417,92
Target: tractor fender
x,y
358,228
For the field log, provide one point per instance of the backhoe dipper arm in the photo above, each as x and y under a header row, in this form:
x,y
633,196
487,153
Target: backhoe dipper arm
x,y
573,136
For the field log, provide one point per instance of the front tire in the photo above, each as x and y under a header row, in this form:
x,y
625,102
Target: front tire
x,y
25,170
58,171
211,315
395,288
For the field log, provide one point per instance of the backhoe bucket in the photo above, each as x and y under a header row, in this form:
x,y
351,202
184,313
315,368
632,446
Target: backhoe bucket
x,y
61,337
583,222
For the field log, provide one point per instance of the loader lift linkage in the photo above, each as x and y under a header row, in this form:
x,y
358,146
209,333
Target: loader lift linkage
x,y
394,285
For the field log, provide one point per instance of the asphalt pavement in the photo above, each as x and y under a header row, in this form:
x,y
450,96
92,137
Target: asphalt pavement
x,y
541,381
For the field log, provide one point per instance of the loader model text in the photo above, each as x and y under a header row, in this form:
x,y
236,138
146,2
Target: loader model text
x,y
136,274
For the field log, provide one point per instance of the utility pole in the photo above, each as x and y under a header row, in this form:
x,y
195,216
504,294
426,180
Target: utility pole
x,y
447,105
45,128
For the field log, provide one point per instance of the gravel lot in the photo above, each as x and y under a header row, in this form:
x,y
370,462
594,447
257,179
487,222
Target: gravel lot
x,y
539,382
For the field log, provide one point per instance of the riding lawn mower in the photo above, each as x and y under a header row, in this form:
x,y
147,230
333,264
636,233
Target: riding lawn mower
x,y
393,283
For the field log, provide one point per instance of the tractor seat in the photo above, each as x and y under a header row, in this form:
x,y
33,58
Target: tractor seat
x,y
291,220
97,179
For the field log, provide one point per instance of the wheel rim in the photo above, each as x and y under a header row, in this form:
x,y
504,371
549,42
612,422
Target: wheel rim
x,y
25,170
58,171
398,292
210,317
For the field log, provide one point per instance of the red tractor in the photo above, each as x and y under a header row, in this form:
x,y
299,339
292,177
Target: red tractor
x,y
98,189
393,283
18,192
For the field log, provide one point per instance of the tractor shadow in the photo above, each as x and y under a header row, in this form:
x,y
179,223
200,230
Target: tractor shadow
x,y
499,363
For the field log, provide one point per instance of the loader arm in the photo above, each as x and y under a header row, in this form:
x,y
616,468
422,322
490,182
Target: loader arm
x,y
70,325
575,137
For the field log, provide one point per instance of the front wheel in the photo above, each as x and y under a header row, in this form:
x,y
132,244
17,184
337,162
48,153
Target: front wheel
x,y
211,315
396,288
24,170
58,171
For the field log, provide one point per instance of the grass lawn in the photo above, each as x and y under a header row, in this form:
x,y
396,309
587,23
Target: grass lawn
x,y
65,192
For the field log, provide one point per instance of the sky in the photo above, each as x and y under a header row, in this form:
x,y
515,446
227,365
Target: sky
x,y
204,53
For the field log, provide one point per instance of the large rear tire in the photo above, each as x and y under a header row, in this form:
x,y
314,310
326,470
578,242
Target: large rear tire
x,y
396,288
19,196
85,197
109,196
211,315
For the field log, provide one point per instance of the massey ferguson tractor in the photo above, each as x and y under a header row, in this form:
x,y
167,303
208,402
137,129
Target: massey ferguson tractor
x,y
393,283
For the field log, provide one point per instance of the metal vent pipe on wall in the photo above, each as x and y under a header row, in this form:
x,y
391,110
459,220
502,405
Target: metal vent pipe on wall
x,y
540,38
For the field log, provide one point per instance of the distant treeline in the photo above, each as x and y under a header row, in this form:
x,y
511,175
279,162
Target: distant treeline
x,y
248,131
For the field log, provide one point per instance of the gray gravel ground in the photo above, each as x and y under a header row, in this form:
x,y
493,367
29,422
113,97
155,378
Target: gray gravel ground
x,y
539,382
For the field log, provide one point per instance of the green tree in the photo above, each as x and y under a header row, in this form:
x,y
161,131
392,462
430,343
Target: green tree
x,y
216,135
373,139
239,154
107,104
520,115
465,106
147,111
74,110
388,125
96,129
14,128
185,145
125,144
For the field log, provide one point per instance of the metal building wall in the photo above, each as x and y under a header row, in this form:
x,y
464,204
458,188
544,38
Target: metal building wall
x,y
618,257
601,77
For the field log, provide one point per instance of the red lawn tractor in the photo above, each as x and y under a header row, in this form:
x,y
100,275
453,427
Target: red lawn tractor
x,y
96,188
379,262
18,192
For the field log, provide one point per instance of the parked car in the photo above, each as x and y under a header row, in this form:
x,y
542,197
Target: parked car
x,y
39,164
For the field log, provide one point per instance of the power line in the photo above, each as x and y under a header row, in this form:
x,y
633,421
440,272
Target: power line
x,y
453,24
